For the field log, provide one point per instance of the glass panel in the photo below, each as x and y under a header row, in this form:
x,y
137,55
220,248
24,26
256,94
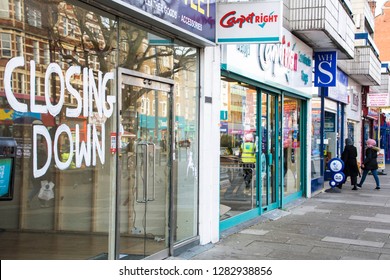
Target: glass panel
x,y
269,148
159,56
330,137
4,9
272,134
238,148
264,149
186,136
79,120
291,145
145,172
316,139
67,132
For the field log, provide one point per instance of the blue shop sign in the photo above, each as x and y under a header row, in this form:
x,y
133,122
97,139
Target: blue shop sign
x,y
340,91
325,67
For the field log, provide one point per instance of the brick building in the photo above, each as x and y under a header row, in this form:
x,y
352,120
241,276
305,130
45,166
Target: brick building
x,y
382,32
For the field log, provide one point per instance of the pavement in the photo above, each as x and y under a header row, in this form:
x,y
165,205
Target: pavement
x,y
345,225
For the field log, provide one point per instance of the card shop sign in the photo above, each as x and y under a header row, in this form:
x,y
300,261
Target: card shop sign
x,y
249,22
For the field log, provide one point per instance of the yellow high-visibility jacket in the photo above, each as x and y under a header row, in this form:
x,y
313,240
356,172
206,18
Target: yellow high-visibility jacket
x,y
248,152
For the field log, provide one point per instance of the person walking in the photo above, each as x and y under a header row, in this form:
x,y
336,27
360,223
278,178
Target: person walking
x,y
351,168
370,163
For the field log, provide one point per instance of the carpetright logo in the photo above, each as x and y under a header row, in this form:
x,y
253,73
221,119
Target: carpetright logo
x,y
250,22
231,19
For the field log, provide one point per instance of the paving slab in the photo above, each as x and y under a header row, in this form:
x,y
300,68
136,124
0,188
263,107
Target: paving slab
x,y
349,225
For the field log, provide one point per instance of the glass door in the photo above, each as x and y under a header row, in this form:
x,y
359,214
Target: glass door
x,y
270,151
145,166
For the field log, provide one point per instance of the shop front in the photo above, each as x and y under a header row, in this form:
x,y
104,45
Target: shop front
x,y
329,128
105,115
265,94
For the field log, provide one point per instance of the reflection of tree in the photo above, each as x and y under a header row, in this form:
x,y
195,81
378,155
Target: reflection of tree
x,y
81,37
90,35
136,51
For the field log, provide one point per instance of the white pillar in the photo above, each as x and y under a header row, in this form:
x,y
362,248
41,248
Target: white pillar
x,y
209,145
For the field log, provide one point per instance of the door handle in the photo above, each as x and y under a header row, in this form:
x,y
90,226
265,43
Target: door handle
x,y
143,173
153,146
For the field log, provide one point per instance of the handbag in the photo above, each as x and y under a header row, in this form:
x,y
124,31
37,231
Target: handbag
x,y
46,192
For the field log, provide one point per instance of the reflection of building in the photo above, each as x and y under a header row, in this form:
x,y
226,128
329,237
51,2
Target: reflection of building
x,y
102,78
381,38
240,104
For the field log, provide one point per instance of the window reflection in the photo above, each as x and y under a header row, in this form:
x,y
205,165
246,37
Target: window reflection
x,y
238,148
84,44
291,145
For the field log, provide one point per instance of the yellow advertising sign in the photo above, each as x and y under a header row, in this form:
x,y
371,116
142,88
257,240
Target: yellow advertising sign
x,y
381,159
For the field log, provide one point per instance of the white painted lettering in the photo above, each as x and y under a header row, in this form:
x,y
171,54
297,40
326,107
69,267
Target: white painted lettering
x,y
96,146
73,112
63,128
110,98
9,68
41,130
83,150
54,68
93,92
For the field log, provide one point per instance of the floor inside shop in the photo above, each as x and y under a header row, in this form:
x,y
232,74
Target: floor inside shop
x,y
69,246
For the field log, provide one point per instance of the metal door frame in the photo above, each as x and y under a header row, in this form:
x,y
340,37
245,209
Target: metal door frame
x,y
277,203
114,232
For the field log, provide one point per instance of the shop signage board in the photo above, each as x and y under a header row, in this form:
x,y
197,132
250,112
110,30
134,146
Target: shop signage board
x,y
288,63
354,101
197,17
249,22
381,159
378,99
339,91
373,112
325,69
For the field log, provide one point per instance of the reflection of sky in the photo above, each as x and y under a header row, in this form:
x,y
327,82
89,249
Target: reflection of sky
x,y
379,4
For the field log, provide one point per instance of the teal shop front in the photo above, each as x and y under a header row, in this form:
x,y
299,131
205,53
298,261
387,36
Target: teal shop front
x,y
264,105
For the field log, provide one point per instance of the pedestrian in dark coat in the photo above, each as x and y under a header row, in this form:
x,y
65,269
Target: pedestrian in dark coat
x,y
351,168
370,163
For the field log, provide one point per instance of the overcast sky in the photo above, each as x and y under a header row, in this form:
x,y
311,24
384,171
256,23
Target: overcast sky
x,y
379,4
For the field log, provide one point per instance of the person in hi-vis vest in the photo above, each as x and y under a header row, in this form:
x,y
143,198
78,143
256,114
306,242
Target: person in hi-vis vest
x,y
248,158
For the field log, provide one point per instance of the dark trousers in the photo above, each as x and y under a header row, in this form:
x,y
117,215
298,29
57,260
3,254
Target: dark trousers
x,y
248,170
353,180
374,173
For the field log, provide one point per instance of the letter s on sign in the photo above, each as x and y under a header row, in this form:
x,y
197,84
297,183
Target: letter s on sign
x,y
325,72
